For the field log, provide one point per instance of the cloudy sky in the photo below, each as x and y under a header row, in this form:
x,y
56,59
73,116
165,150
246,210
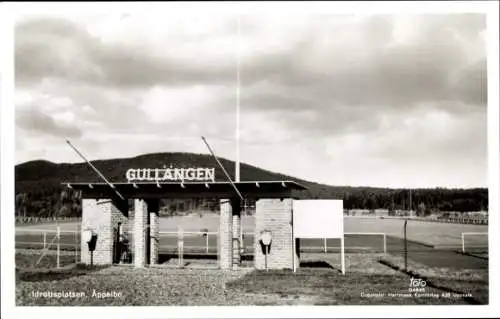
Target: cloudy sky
x,y
380,100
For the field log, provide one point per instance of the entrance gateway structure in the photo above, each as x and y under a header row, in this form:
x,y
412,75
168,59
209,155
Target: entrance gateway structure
x,y
102,210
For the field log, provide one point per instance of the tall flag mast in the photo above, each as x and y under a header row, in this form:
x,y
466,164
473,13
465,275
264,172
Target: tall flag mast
x,y
237,168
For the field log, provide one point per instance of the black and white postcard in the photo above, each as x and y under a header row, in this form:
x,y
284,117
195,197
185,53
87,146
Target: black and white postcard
x,y
187,155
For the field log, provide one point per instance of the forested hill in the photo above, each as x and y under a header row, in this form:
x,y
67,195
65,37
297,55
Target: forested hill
x,y
39,189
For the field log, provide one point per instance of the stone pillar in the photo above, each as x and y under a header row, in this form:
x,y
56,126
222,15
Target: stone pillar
x,y
130,227
92,218
102,216
225,235
140,220
237,244
154,228
275,215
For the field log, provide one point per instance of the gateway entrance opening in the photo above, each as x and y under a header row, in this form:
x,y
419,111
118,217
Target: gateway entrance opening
x,y
133,235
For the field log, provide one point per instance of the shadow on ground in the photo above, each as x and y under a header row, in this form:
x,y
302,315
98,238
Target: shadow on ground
x,y
319,264
167,257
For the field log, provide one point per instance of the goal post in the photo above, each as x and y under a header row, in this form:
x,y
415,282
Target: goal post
x,y
478,240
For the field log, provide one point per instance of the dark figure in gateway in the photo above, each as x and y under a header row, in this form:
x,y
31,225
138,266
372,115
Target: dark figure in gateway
x,y
121,243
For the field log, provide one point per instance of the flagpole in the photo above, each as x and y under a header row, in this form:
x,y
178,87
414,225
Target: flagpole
x,y
237,168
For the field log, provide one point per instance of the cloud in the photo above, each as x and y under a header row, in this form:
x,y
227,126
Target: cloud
x,y
38,122
168,105
341,94
355,63
70,50
470,85
64,49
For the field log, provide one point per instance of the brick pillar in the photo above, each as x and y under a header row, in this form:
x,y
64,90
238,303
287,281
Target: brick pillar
x,y
275,215
102,216
140,220
154,228
92,217
130,227
119,215
236,213
225,235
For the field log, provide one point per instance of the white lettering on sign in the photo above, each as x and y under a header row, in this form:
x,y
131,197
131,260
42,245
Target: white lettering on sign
x,y
170,174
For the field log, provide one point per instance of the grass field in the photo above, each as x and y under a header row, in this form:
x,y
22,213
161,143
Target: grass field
x,y
368,282
423,239
438,235
372,278
197,243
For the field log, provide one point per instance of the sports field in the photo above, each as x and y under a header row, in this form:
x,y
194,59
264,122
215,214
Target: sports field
x,y
318,282
429,243
438,235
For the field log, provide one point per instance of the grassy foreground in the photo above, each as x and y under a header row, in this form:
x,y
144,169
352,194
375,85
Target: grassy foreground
x,y
322,287
117,286
367,282
33,258
466,281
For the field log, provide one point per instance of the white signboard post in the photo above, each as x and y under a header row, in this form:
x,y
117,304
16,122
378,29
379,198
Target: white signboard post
x,y
317,218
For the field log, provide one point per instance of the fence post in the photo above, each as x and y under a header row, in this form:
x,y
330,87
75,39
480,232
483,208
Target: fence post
x,y
385,244
217,243
76,246
180,245
58,244
326,249
406,247
207,243
342,255
463,243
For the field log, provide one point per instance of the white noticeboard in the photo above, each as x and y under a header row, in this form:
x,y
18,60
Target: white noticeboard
x,y
318,218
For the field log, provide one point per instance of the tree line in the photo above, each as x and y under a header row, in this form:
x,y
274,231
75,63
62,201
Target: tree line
x,y
57,201
422,201
39,192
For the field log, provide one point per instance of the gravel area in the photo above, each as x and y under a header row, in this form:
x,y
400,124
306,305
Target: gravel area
x,y
133,287
128,286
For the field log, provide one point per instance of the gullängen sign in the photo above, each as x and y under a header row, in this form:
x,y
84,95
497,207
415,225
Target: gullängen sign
x,y
171,174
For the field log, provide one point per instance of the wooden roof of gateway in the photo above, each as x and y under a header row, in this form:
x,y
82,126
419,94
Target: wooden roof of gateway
x,y
148,190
